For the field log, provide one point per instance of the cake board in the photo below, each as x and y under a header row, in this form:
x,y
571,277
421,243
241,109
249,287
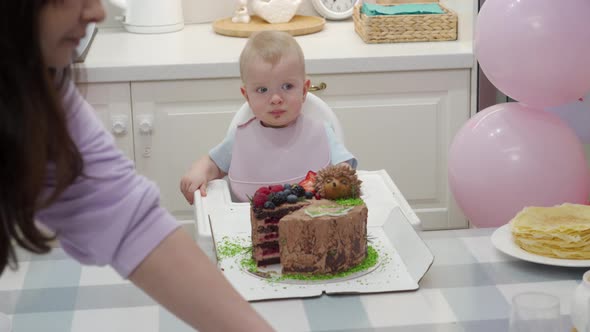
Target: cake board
x,y
391,225
403,260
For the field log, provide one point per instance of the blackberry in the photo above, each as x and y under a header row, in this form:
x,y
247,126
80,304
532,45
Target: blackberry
x,y
279,198
269,205
297,190
292,199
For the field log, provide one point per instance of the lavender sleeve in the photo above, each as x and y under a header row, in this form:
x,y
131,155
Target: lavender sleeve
x,y
111,215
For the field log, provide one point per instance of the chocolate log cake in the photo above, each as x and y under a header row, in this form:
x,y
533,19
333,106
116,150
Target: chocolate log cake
x,y
293,225
323,238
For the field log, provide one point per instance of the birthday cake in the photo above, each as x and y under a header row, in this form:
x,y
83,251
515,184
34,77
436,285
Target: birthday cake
x,y
317,226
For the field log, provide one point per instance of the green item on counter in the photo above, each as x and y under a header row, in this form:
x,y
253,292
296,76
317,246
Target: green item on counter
x,y
370,9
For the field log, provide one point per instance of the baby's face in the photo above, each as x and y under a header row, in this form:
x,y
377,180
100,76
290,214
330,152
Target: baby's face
x,y
275,93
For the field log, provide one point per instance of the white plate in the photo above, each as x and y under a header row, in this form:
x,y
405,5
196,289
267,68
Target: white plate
x,y
502,240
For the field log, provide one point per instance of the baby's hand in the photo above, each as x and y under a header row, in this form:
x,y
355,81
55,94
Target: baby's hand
x,y
190,182
197,177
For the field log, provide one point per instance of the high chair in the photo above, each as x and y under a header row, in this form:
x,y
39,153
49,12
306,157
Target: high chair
x,y
379,192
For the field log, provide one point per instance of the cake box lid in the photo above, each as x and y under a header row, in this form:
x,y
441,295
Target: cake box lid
x,y
402,257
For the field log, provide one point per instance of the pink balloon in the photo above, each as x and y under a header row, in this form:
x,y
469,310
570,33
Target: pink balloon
x,y
509,156
535,51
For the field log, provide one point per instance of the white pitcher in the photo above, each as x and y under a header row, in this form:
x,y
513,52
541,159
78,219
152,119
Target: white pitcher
x,y
580,304
151,16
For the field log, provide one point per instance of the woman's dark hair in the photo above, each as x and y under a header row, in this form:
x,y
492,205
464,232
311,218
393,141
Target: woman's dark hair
x,y
33,132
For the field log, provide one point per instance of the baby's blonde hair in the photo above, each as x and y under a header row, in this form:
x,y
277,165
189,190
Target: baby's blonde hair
x,y
270,46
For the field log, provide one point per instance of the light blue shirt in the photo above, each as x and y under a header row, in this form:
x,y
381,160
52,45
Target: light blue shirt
x,y
221,154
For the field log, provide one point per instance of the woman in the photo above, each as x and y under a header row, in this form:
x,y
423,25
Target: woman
x,y
60,167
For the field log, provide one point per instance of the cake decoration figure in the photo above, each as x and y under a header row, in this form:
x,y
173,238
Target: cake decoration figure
x,y
338,182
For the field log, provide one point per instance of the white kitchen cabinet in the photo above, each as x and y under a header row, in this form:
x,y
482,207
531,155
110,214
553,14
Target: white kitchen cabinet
x,y
402,122
112,102
176,122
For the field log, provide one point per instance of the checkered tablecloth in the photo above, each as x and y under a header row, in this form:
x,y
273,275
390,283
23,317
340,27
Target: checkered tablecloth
x,y
468,288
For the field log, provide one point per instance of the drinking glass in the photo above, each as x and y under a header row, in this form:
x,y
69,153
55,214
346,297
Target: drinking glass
x,y
5,323
535,312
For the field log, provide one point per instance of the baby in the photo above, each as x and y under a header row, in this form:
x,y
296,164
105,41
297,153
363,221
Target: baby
x,y
280,144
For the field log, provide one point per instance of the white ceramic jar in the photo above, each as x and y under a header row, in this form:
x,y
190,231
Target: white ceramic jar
x,y
275,11
580,308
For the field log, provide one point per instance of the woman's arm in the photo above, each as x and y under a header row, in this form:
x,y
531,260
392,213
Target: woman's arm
x,y
178,275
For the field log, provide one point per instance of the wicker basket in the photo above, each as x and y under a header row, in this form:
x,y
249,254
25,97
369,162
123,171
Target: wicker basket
x,y
405,28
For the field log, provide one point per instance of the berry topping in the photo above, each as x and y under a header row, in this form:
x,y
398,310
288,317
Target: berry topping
x,y
278,198
262,190
269,205
297,190
309,182
259,199
308,195
276,188
292,198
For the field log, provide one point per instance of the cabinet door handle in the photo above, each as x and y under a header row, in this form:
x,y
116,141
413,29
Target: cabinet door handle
x,y
321,86
146,124
119,124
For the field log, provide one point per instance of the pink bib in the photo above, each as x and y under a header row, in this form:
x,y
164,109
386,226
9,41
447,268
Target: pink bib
x,y
264,156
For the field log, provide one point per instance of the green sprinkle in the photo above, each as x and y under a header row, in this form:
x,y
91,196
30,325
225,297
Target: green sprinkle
x,y
250,265
227,248
232,247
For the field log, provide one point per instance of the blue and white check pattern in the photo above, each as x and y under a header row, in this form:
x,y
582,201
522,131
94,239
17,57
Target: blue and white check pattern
x,y
468,288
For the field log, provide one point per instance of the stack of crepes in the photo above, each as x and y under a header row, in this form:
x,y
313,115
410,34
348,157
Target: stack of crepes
x,y
560,231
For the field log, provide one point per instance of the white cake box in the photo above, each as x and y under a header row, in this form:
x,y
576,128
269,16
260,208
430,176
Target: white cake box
x,y
403,257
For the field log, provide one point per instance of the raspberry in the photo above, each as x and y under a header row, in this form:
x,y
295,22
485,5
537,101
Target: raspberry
x,y
276,188
262,190
259,199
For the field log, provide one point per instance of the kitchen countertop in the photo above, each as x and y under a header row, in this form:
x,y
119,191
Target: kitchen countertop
x,y
468,288
198,52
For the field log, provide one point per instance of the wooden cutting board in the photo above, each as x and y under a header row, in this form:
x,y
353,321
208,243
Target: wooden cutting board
x,y
299,25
